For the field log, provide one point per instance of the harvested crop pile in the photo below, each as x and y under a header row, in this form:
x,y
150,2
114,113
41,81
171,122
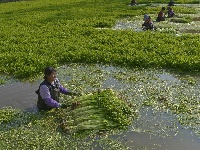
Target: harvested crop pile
x,y
101,110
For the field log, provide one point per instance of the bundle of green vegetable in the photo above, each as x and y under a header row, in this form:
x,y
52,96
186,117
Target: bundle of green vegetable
x,y
101,110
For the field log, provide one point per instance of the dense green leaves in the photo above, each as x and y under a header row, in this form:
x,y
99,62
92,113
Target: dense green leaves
x,y
35,34
7,115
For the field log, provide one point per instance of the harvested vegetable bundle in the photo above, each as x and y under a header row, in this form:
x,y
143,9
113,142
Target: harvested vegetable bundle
x,y
101,110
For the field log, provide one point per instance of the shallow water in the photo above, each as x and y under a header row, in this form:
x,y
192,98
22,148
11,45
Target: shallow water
x,y
18,95
154,129
173,138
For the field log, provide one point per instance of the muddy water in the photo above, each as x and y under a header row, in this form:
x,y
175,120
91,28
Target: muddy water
x,y
175,138
18,95
154,130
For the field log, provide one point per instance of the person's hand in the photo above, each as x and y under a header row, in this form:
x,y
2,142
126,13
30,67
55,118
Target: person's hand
x,y
73,105
65,105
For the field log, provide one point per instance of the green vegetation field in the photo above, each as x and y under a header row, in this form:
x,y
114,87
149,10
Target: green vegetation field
x,y
39,33
34,34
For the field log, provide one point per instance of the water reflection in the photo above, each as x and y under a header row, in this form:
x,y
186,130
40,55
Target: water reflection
x,y
159,130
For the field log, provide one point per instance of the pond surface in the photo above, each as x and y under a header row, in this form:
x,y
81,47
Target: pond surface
x,y
156,128
159,131
18,95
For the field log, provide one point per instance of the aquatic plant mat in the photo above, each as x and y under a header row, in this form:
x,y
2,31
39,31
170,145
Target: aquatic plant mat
x,y
165,104
97,113
104,34
150,106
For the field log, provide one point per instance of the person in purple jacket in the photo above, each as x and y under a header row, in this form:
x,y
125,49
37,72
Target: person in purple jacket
x,y
170,12
49,91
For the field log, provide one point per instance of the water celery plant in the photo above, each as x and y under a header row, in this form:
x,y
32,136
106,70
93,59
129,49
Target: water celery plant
x,y
101,110
34,32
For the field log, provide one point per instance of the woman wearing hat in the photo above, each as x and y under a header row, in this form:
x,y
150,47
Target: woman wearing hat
x,y
49,91
148,24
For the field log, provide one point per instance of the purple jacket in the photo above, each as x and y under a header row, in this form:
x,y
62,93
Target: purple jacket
x,y
170,13
45,94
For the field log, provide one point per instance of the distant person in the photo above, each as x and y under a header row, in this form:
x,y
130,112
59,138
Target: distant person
x,y
133,2
171,3
170,12
148,24
161,15
49,91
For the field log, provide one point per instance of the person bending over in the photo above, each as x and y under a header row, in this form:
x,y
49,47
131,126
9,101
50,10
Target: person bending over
x,y
161,15
148,24
170,12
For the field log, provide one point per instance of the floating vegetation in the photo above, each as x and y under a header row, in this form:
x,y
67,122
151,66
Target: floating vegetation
x,y
8,114
137,91
185,18
180,20
5,79
158,89
98,113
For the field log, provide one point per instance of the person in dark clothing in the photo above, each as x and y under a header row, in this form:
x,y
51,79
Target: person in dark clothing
x,y
161,15
49,91
170,12
148,24
133,2
171,3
